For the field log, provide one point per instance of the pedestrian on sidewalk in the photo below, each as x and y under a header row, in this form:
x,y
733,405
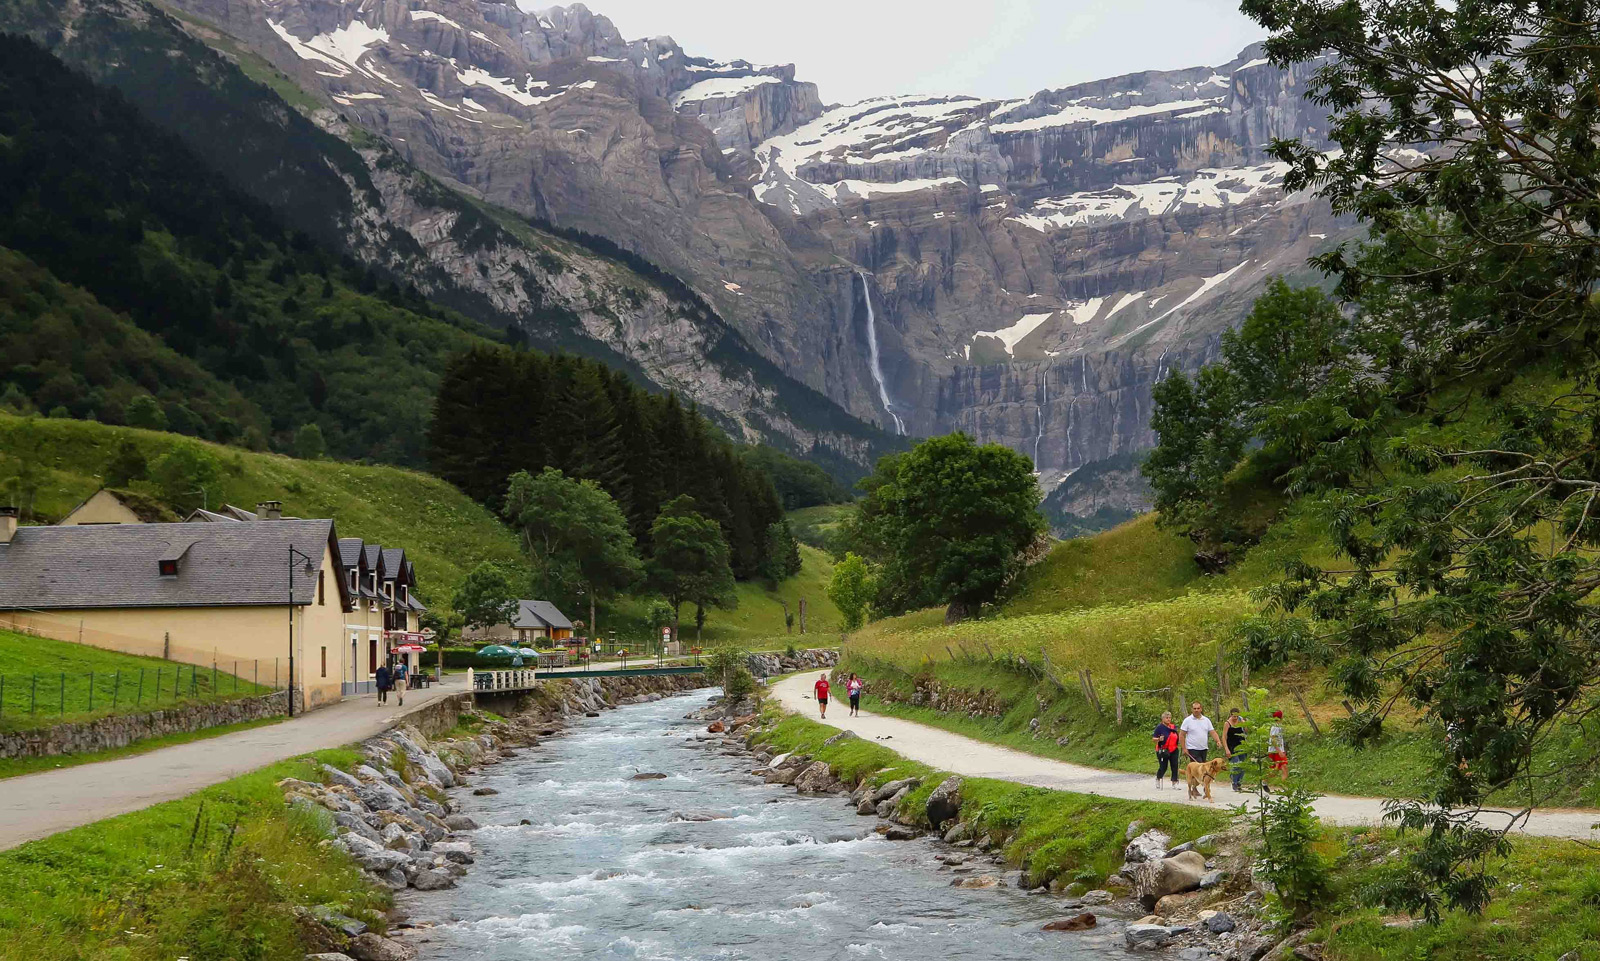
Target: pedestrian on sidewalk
x,y
1166,742
1196,728
853,687
1277,749
383,679
821,687
1233,732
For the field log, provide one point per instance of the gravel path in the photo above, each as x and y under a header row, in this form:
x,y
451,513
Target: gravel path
x,y
37,805
963,755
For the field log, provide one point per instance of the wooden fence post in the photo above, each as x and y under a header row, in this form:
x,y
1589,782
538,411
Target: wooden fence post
x,y
989,649
1222,676
1088,683
1307,712
950,652
1119,707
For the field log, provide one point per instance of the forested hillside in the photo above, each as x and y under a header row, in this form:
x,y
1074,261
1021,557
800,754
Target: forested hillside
x,y
501,411
196,279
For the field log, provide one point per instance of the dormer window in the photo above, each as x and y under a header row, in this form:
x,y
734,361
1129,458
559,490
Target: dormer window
x,y
352,582
169,568
388,589
169,563
405,594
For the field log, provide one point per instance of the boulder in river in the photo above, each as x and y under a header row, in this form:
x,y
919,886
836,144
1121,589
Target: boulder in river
x,y
1078,922
892,788
817,778
716,727
698,816
978,881
1096,898
460,822
944,804
484,791
648,776
899,832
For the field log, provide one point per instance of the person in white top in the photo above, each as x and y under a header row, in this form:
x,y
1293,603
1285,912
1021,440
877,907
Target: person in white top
x,y
1195,729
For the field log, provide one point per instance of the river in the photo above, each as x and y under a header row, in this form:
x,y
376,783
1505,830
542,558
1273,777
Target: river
x,y
605,871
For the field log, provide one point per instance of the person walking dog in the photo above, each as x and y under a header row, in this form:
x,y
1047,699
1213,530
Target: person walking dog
x,y
1165,738
1198,733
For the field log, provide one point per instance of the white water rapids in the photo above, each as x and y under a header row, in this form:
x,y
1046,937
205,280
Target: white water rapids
x,y
576,860
872,355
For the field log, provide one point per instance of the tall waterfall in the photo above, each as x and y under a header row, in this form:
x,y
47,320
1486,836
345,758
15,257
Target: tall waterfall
x,y
1040,436
872,354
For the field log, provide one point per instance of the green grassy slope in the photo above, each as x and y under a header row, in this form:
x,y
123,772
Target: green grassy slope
x,y
67,673
441,529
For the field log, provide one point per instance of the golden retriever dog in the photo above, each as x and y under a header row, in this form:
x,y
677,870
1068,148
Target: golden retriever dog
x,y
1201,774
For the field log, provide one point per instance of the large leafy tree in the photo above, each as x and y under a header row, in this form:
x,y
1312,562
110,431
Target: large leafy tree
x,y
1463,502
851,588
486,597
948,522
575,534
689,563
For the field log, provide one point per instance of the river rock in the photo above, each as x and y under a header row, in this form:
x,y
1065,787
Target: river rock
x,y
1154,880
372,947
648,776
371,855
336,776
978,881
1096,898
944,804
355,825
484,791
900,832
1149,846
328,956
1220,923
698,816
1081,922
460,822
1175,905
429,879
1147,937
892,788
958,832
817,778
1211,879
865,806
841,736
887,806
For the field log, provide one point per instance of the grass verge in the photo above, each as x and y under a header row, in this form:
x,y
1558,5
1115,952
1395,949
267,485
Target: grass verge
x,y
1076,838
48,682
17,766
210,877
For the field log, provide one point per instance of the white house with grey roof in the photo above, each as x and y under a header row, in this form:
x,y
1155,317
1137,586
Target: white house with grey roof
x,y
200,593
534,621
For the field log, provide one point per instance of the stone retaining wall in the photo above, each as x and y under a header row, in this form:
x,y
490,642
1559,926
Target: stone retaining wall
x,y
120,730
772,665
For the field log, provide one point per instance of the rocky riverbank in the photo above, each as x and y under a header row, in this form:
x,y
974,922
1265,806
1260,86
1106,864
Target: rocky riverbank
x,y
1195,900
395,815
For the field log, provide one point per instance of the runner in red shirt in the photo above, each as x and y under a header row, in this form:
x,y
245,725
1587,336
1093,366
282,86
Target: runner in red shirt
x,y
822,694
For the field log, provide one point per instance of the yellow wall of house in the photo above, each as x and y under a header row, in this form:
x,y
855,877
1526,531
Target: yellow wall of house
x,y
254,638
101,508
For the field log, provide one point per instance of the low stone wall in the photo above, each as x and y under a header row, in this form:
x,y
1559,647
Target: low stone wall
x,y
772,665
120,730
438,716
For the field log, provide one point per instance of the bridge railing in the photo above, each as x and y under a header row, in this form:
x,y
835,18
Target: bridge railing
x,y
515,679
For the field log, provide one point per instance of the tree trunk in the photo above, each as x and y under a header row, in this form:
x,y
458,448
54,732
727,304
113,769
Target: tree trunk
x,y
594,629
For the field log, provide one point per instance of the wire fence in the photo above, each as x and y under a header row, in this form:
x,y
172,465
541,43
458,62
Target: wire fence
x,y
31,698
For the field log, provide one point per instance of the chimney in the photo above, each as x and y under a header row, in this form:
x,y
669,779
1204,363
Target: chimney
x,y
270,510
8,524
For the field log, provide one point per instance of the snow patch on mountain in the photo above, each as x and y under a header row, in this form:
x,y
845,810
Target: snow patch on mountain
x,y
719,87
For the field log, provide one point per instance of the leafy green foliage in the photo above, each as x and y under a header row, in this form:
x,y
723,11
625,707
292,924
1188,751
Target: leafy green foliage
x,y
186,475
852,589
1288,856
798,483
783,553
727,666
1459,500
487,596
575,534
947,523
689,559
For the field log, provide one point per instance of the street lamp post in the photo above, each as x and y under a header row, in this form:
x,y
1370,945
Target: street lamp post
x,y
310,569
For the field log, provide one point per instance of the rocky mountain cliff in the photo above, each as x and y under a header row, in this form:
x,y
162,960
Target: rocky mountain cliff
x,y
1021,269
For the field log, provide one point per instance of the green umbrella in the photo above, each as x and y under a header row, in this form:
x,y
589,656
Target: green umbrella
x,y
496,650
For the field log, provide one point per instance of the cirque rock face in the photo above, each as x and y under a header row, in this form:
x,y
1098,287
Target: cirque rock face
x,y
1030,266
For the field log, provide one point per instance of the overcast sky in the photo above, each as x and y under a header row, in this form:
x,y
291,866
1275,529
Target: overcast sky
x,y
998,48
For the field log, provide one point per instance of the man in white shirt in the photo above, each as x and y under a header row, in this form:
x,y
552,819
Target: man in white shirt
x,y
1195,727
